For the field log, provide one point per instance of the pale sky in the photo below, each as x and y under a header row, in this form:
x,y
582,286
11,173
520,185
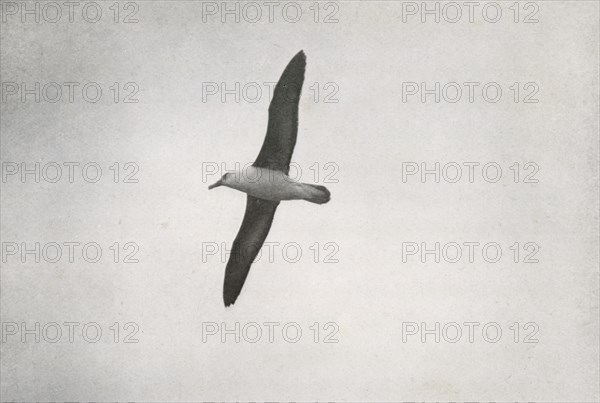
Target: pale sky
x,y
176,131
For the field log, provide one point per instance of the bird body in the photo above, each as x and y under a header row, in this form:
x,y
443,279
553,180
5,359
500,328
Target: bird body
x,y
267,182
273,185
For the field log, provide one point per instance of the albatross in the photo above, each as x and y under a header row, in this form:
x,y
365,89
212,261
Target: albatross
x,y
266,182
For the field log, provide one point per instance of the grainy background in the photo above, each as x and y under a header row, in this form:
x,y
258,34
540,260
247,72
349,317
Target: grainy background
x,y
172,133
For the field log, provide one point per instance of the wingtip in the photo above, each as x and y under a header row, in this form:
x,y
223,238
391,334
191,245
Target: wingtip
x,y
228,301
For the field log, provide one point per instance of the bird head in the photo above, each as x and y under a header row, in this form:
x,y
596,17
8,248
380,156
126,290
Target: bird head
x,y
224,181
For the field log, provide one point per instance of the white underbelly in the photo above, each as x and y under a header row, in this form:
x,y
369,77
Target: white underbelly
x,y
267,184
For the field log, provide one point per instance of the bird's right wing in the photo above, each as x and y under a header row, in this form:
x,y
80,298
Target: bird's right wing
x,y
250,238
277,149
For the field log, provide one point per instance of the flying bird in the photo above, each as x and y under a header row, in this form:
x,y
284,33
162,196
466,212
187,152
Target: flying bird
x,y
266,182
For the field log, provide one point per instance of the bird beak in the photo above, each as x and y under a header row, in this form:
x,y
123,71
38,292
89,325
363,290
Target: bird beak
x,y
216,184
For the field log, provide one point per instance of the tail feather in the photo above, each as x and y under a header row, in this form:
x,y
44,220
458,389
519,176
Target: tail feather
x,y
317,194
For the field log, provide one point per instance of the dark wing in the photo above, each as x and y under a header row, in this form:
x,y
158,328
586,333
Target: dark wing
x,y
276,153
255,227
277,149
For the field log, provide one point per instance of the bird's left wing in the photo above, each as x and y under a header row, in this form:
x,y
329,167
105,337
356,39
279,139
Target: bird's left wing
x,y
250,238
277,149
